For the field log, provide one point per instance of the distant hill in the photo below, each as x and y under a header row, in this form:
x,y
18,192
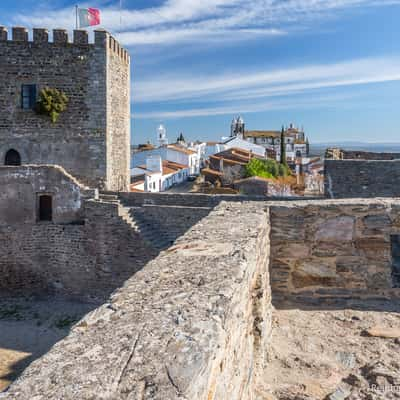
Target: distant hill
x,y
318,149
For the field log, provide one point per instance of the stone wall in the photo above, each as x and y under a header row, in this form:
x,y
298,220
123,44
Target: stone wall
x,y
333,248
90,247
340,154
21,187
135,199
362,178
118,118
95,78
87,259
87,250
194,323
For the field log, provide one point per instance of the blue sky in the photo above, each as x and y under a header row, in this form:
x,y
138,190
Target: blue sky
x,y
332,66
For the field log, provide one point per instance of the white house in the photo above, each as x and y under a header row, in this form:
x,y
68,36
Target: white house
x,y
158,175
238,143
205,150
173,153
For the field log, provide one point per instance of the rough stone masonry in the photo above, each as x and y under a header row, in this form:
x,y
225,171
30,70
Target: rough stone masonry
x,y
194,323
362,174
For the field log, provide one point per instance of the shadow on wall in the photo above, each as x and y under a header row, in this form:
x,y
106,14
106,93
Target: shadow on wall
x,y
54,274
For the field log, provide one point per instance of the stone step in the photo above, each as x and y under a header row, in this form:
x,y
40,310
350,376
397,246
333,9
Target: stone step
x,y
108,197
147,230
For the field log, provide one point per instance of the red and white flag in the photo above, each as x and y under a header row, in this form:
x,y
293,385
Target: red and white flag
x,y
88,17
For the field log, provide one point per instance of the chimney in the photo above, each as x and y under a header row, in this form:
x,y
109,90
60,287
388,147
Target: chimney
x,y
154,163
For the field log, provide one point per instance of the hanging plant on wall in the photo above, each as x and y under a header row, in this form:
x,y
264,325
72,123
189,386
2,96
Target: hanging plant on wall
x,y
51,102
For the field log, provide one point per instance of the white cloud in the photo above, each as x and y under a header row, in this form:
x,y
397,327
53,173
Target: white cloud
x,y
283,104
257,84
183,20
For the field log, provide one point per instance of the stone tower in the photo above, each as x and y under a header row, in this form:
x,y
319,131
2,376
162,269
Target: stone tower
x,y
237,127
162,136
91,139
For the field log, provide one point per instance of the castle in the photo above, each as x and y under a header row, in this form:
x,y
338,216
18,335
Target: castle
x,y
91,139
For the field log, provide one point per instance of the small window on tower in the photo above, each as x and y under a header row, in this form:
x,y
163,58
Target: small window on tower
x,y
28,97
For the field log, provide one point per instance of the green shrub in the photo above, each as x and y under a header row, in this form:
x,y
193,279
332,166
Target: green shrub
x,y
256,167
51,102
266,168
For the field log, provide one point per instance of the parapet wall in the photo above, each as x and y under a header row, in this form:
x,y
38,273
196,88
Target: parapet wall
x,y
136,199
21,187
337,249
194,323
362,178
40,37
340,154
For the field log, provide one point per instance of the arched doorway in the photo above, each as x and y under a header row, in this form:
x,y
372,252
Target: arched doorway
x,y
12,158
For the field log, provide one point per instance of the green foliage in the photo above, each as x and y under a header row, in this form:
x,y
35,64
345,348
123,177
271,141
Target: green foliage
x,y
266,169
52,102
256,167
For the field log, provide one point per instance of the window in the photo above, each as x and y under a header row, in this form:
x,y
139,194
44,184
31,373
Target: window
x,y
45,207
28,97
12,158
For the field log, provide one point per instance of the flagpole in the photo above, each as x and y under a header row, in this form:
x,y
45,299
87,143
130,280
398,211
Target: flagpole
x,y
76,16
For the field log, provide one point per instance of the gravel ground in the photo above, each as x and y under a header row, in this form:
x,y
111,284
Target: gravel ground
x,y
29,327
329,354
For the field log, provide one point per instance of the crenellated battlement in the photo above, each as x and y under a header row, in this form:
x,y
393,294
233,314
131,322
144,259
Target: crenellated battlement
x,y
61,37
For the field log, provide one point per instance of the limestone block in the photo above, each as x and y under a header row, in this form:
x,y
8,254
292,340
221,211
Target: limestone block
x,y
379,221
331,249
375,248
293,250
339,229
313,272
383,332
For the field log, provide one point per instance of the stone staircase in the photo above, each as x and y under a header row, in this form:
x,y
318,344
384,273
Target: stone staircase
x,y
135,218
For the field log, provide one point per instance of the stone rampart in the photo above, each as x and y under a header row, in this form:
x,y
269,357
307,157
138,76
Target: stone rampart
x,y
334,248
194,323
89,248
188,199
362,178
86,259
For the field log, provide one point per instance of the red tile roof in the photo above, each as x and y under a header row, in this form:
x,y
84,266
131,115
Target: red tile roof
x,y
181,149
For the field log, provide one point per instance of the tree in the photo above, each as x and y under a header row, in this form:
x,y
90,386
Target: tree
x,y
181,138
283,147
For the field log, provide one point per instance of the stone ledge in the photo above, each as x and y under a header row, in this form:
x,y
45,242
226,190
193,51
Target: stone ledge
x,y
193,324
